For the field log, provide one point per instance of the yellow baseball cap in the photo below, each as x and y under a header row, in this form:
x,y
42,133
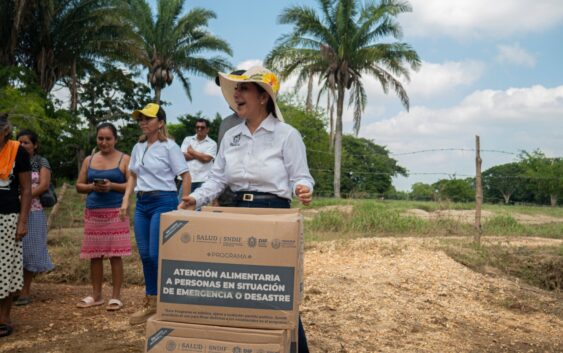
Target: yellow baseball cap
x,y
151,110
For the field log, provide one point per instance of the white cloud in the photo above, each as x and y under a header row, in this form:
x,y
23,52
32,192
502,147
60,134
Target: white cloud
x,y
511,120
435,79
478,18
514,54
211,89
431,81
247,64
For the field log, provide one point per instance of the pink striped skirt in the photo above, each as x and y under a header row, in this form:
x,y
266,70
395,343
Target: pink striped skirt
x,y
105,234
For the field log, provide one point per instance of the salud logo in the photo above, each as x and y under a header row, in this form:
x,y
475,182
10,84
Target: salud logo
x,y
186,238
252,242
170,346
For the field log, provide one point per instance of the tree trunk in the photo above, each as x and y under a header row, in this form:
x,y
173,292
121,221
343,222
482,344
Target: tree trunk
x,y
553,200
55,209
338,140
506,198
157,90
331,117
309,100
19,8
80,154
73,88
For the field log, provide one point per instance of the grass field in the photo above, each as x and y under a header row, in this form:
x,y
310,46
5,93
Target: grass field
x,y
334,219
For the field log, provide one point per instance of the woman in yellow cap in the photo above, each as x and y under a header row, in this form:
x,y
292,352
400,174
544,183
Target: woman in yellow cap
x,y
262,160
155,162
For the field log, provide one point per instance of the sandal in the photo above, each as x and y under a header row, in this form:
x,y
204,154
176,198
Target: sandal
x,y
6,330
114,305
22,301
88,302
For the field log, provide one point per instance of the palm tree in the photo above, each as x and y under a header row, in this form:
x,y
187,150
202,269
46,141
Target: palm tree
x,y
173,44
347,41
58,38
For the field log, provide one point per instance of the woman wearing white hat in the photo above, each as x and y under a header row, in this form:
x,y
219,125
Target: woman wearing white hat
x,y
263,160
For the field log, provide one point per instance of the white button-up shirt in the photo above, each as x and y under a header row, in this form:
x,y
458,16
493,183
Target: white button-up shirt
x,y
272,160
198,169
156,166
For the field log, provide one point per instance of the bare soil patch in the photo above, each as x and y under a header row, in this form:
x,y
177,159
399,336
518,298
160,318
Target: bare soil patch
x,y
468,216
363,295
309,214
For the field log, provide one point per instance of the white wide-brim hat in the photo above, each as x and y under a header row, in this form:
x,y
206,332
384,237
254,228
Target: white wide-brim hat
x,y
257,74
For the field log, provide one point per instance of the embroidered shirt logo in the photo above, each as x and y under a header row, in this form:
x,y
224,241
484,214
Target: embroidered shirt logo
x,y
236,140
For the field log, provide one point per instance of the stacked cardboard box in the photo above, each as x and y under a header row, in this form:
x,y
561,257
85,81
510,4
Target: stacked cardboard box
x,y
229,278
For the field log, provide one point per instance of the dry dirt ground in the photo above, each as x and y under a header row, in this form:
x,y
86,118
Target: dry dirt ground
x,y
363,295
468,216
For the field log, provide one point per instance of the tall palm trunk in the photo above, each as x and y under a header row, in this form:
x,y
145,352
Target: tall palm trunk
x,y
157,90
19,8
309,100
73,87
338,140
332,134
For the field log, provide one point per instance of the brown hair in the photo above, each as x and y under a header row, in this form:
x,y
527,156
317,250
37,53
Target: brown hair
x,y
270,107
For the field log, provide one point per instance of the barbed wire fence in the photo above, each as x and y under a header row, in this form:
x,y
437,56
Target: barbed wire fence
x,y
477,178
438,174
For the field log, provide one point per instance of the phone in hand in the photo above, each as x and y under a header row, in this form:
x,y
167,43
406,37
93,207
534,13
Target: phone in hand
x,y
99,181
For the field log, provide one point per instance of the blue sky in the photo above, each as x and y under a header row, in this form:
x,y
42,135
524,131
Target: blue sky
x,y
490,68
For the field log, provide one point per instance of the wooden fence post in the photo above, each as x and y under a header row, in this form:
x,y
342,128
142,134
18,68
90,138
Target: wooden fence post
x,y
478,191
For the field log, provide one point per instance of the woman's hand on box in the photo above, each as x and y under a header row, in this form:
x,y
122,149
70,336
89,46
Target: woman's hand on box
x,y
188,203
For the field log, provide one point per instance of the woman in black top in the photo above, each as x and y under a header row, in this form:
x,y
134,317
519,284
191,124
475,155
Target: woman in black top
x,y
15,193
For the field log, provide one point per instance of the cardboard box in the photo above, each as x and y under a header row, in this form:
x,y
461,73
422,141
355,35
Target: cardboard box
x,y
166,337
231,268
270,211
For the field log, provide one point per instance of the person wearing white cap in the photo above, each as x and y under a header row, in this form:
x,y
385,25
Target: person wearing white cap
x,y
155,162
262,160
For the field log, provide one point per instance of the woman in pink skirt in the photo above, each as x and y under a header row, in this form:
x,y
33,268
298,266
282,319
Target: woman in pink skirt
x,y
103,177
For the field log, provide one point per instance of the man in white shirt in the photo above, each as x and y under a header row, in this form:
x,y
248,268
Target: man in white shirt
x,y
199,150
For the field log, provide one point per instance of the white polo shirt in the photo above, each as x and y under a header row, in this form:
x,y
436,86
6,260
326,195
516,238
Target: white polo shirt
x,y
198,169
157,165
272,160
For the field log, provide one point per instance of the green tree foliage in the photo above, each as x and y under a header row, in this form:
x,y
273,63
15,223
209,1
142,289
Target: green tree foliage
x,y
422,192
175,44
367,167
186,127
506,181
22,98
111,95
58,38
349,40
456,190
313,130
65,147
59,132
547,174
